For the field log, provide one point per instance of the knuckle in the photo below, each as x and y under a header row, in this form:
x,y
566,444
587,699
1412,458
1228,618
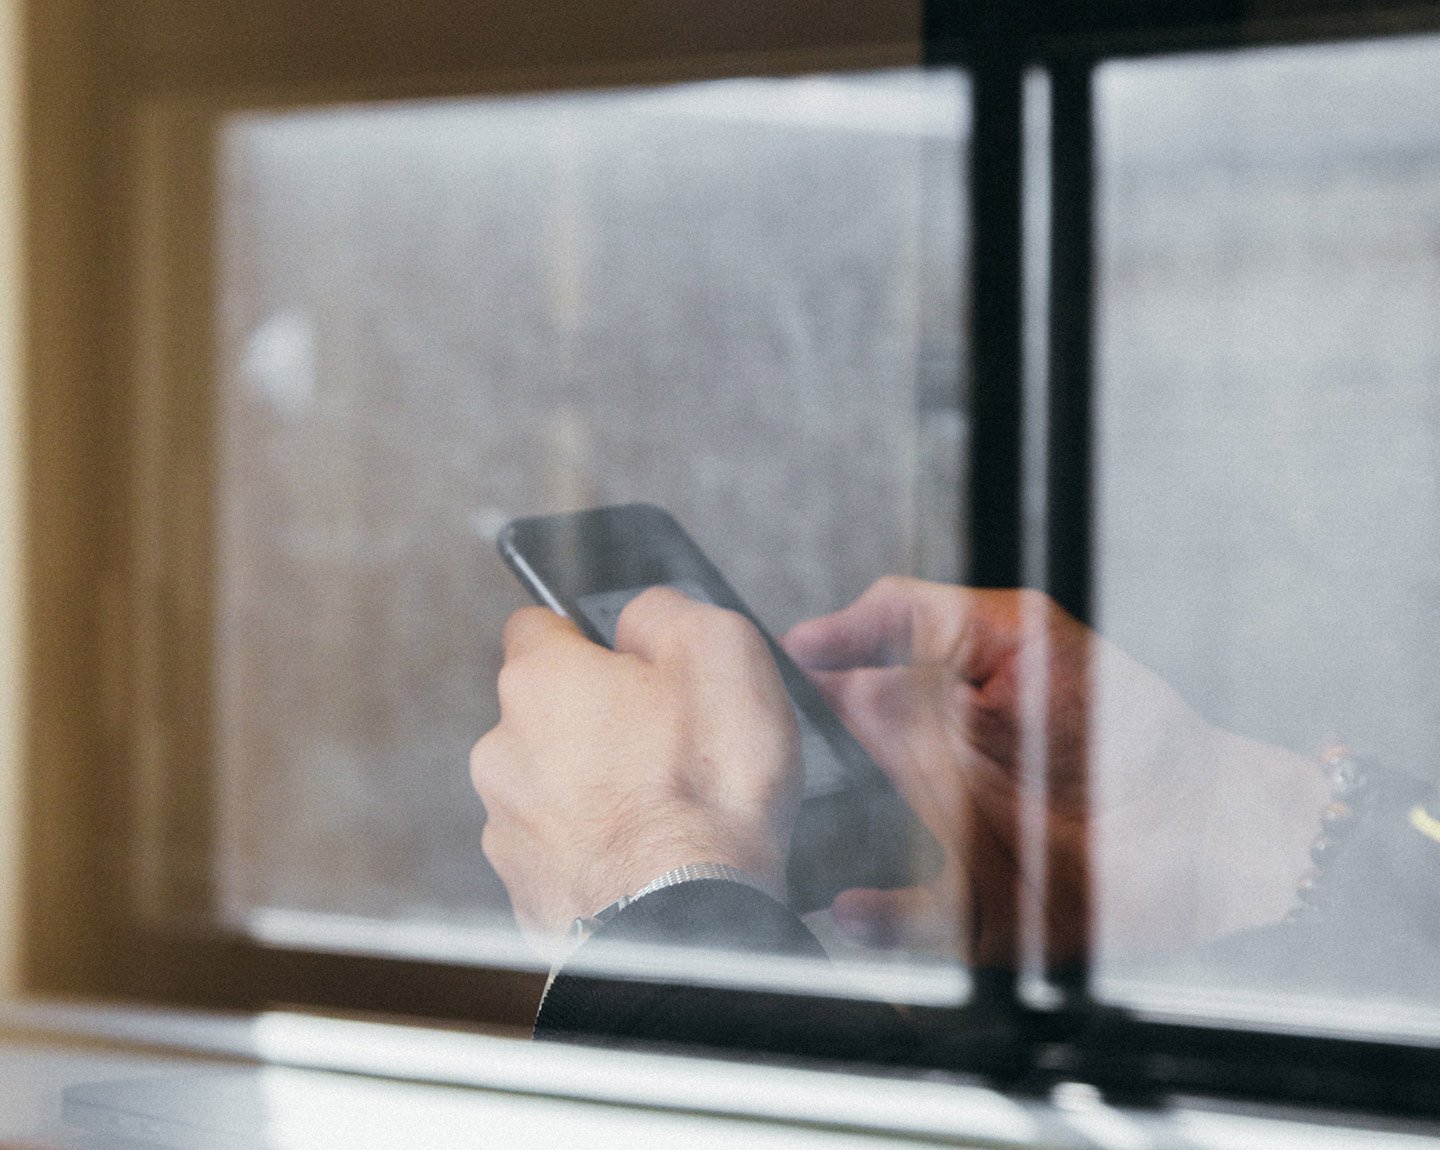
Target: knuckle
x,y
663,619
639,613
648,606
491,844
737,631
704,631
509,686
483,763
513,625
658,596
1034,601
517,686
890,591
521,619
891,585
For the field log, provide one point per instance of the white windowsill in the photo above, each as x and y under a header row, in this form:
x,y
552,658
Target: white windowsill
x,y
894,1108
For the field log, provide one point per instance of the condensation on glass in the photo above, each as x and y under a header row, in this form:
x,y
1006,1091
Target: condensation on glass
x,y
1268,505
736,299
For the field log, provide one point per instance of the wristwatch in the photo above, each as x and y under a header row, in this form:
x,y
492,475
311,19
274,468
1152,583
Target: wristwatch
x,y
586,925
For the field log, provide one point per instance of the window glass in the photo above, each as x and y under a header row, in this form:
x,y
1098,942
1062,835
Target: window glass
x,y
1268,511
737,300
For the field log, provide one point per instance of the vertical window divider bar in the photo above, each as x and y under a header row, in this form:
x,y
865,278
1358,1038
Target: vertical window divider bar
x,y
1071,318
993,488
995,399
1069,443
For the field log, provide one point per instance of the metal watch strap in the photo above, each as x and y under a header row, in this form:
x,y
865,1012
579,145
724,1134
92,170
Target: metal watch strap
x,y
584,926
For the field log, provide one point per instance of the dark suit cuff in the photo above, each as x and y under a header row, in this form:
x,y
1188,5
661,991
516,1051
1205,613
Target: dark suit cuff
x,y
708,918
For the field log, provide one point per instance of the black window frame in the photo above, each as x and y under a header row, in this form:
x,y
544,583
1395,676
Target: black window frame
x,y
1067,40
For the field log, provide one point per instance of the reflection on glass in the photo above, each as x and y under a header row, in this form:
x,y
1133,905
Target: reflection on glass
x,y
1268,506
736,300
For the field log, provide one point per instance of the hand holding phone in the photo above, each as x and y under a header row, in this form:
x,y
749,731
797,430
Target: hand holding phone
x,y
853,829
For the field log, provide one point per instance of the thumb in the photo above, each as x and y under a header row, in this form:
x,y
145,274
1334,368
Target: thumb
x,y
873,631
900,622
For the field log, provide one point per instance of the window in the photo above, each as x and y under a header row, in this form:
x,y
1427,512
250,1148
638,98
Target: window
x,y
1265,475
733,299
1045,286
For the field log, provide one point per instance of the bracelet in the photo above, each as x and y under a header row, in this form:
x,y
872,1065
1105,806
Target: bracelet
x,y
586,925
1352,794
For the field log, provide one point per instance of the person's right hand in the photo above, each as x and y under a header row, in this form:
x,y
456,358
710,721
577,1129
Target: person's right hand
x,y
953,691
610,767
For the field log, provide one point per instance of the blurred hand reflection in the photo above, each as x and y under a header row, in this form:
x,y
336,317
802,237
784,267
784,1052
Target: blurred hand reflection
x,y
1186,832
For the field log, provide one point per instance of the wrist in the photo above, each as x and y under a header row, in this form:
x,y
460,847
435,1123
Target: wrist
x,y
1238,819
623,871
584,926
1266,806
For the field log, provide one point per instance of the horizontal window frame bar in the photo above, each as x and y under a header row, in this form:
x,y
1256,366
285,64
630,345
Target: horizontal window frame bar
x,y
953,38
943,1106
1018,1048
349,50
1121,1053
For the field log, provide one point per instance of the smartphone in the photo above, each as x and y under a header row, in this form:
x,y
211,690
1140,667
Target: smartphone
x,y
853,829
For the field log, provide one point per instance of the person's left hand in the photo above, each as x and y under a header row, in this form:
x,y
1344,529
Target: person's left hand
x,y
609,768
1161,831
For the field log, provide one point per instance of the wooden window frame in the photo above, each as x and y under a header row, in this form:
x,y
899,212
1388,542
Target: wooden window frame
x,y
124,99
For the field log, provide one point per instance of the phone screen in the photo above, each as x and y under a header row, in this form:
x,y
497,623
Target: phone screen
x,y
824,773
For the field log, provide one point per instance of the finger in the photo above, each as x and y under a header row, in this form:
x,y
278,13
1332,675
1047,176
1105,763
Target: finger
x,y
902,621
648,620
533,627
497,767
899,715
661,621
875,703
878,704
873,631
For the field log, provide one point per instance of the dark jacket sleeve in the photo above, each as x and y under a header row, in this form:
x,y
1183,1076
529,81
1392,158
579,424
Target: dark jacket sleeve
x,y
720,916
